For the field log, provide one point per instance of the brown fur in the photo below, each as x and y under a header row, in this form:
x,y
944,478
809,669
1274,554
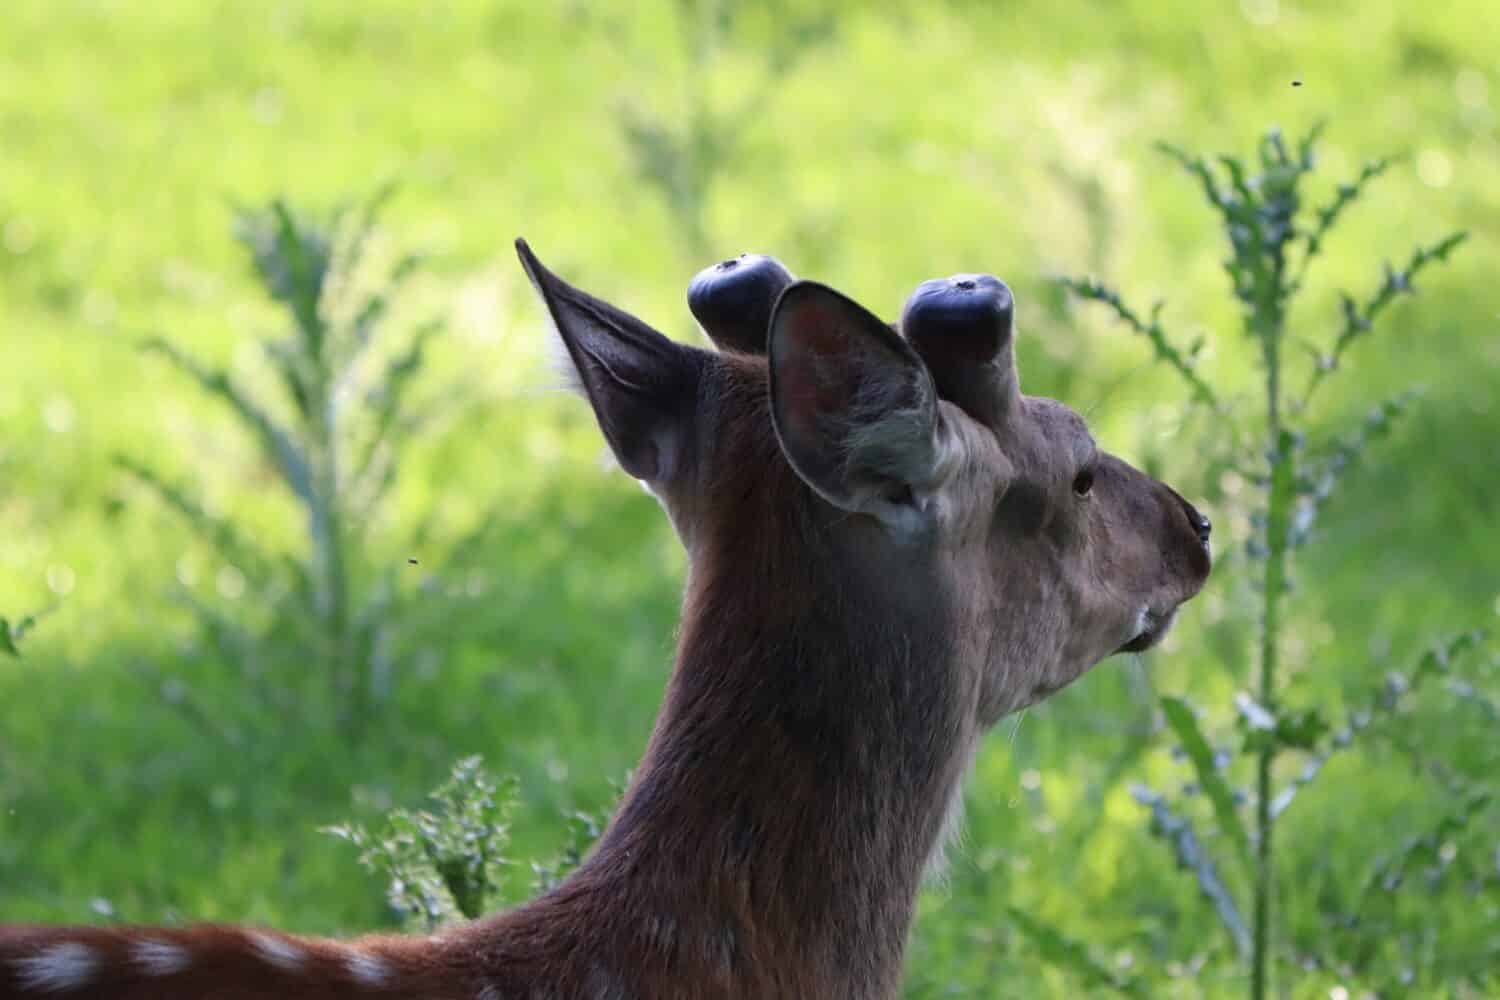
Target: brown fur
x,y
834,675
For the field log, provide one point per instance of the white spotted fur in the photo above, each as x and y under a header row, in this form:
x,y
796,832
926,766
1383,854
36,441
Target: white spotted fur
x,y
58,968
367,969
159,958
277,951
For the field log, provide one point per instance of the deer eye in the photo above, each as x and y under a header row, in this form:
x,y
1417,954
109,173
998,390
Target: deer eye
x,y
1083,483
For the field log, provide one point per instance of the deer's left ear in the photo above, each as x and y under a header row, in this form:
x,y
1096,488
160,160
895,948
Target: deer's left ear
x,y
854,407
642,385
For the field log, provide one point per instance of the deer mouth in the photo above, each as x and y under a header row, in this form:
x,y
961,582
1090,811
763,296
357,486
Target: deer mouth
x,y
1151,627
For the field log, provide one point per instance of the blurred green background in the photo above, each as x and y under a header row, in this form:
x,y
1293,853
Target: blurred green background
x,y
146,774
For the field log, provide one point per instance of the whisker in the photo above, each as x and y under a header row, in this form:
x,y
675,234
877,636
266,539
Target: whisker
x,y
1017,727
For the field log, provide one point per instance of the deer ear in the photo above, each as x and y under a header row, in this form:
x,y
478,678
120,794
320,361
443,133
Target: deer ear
x,y
641,384
854,407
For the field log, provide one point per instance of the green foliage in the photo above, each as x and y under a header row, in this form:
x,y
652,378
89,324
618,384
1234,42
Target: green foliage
x,y
446,864
1369,940
1060,949
682,156
579,835
1184,723
343,373
11,633
449,863
1179,360
1192,857
1268,732
1306,730
1272,240
1357,319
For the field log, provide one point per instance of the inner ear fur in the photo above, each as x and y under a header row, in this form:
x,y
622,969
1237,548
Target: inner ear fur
x,y
854,407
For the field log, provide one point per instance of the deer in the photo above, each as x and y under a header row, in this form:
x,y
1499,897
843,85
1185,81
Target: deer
x,y
889,548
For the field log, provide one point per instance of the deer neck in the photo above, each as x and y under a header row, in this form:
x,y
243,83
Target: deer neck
x,y
801,772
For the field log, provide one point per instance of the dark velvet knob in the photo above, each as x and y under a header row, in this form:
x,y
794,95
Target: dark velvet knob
x,y
733,300
962,327
967,316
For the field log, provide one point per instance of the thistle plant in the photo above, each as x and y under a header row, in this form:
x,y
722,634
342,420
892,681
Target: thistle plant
x,y
451,862
332,428
1295,465
445,864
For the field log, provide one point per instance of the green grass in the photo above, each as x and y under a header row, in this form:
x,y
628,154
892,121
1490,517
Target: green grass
x,y
917,141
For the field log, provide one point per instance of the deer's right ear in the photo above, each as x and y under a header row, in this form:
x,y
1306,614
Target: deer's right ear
x,y
854,407
642,385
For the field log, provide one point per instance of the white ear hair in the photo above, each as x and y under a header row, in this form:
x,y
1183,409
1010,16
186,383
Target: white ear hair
x,y
640,384
559,362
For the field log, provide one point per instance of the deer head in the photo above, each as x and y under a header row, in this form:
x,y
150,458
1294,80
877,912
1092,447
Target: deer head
x,y
908,453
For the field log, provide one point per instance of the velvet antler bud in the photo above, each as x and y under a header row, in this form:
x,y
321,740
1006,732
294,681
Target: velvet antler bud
x,y
733,299
962,327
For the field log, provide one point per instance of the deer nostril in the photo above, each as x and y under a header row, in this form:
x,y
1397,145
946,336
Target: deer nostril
x,y
1202,526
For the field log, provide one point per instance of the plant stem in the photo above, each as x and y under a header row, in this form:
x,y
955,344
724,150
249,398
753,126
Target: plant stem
x,y
327,530
1282,461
